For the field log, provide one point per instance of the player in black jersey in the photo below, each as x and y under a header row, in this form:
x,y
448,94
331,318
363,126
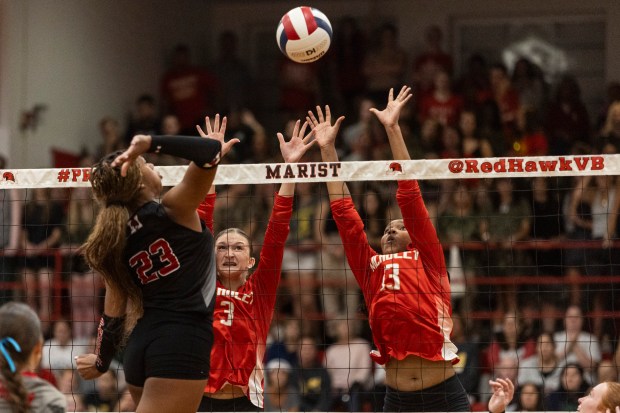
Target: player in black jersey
x,y
158,266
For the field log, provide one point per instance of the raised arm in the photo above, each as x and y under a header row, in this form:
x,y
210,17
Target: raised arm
x,y
325,134
389,119
293,150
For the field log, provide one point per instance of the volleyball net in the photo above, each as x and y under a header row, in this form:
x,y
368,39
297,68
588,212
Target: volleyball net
x,y
525,240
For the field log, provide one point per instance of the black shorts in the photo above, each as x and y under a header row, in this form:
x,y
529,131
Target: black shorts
x,y
238,404
448,396
167,345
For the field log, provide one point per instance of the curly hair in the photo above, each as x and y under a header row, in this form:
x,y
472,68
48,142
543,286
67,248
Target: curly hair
x,y
103,250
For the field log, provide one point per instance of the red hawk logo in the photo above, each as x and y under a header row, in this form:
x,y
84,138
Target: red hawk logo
x,y
8,176
395,168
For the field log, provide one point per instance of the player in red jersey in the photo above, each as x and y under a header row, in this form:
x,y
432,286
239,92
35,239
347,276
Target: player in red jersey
x,y
405,286
245,303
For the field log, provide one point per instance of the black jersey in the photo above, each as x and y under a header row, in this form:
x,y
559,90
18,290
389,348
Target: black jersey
x,y
174,266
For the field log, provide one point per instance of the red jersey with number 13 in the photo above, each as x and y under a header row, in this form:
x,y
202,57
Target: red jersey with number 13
x,y
407,293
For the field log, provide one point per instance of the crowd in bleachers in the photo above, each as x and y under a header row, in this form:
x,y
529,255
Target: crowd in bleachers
x,y
552,339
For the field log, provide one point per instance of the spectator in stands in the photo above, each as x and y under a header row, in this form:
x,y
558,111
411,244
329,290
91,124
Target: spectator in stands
x,y
314,382
542,369
472,145
299,86
572,386
170,126
42,227
575,346
450,143
441,104
610,132
60,350
285,345
69,386
468,368
348,50
281,395
607,370
613,96
459,223
107,395
430,62
348,365
144,120
567,121
85,284
507,369
234,81
361,127
530,139
300,263
490,126
187,90
508,222
601,195
510,342
111,138
474,85
530,398
529,81
11,206
243,125
506,97
385,64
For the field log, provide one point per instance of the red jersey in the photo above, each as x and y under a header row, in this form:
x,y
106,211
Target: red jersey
x,y
408,293
446,113
241,318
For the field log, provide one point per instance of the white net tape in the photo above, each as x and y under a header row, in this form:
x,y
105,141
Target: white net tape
x,y
508,167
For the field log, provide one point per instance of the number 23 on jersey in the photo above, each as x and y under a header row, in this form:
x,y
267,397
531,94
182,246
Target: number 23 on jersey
x,y
158,252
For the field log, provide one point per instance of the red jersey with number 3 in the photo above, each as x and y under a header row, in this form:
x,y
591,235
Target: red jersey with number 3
x,y
407,293
242,318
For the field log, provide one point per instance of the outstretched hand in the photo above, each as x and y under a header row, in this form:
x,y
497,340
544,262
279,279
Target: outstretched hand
x,y
139,144
503,392
324,132
389,116
217,132
296,147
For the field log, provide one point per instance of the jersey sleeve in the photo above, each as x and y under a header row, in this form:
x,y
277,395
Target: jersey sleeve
x,y
205,210
267,275
351,229
420,227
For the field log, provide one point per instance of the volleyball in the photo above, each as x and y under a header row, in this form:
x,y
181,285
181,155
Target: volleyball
x,y
304,34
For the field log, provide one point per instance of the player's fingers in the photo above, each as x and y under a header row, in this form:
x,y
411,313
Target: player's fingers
x,y
200,131
319,112
309,137
328,114
302,132
280,138
296,129
391,95
223,125
216,124
124,168
208,125
338,122
312,119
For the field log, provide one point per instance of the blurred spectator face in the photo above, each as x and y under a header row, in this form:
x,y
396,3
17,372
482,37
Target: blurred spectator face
x,y
62,332
146,110
507,367
307,352
504,186
497,77
467,123
529,397
539,185
573,321
170,125
510,326
546,346
365,106
607,371
291,331
442,81
109,126
372,203
278,371
462,199
572,378
450,138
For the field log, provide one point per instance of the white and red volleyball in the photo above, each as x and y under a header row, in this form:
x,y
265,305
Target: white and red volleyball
x,y
304,34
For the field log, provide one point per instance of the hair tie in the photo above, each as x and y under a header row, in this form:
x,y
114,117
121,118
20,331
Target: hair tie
x,y
6,354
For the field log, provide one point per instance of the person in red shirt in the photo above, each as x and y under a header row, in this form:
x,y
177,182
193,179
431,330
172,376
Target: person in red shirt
x,y
187,90
245,302
405,286
442,104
